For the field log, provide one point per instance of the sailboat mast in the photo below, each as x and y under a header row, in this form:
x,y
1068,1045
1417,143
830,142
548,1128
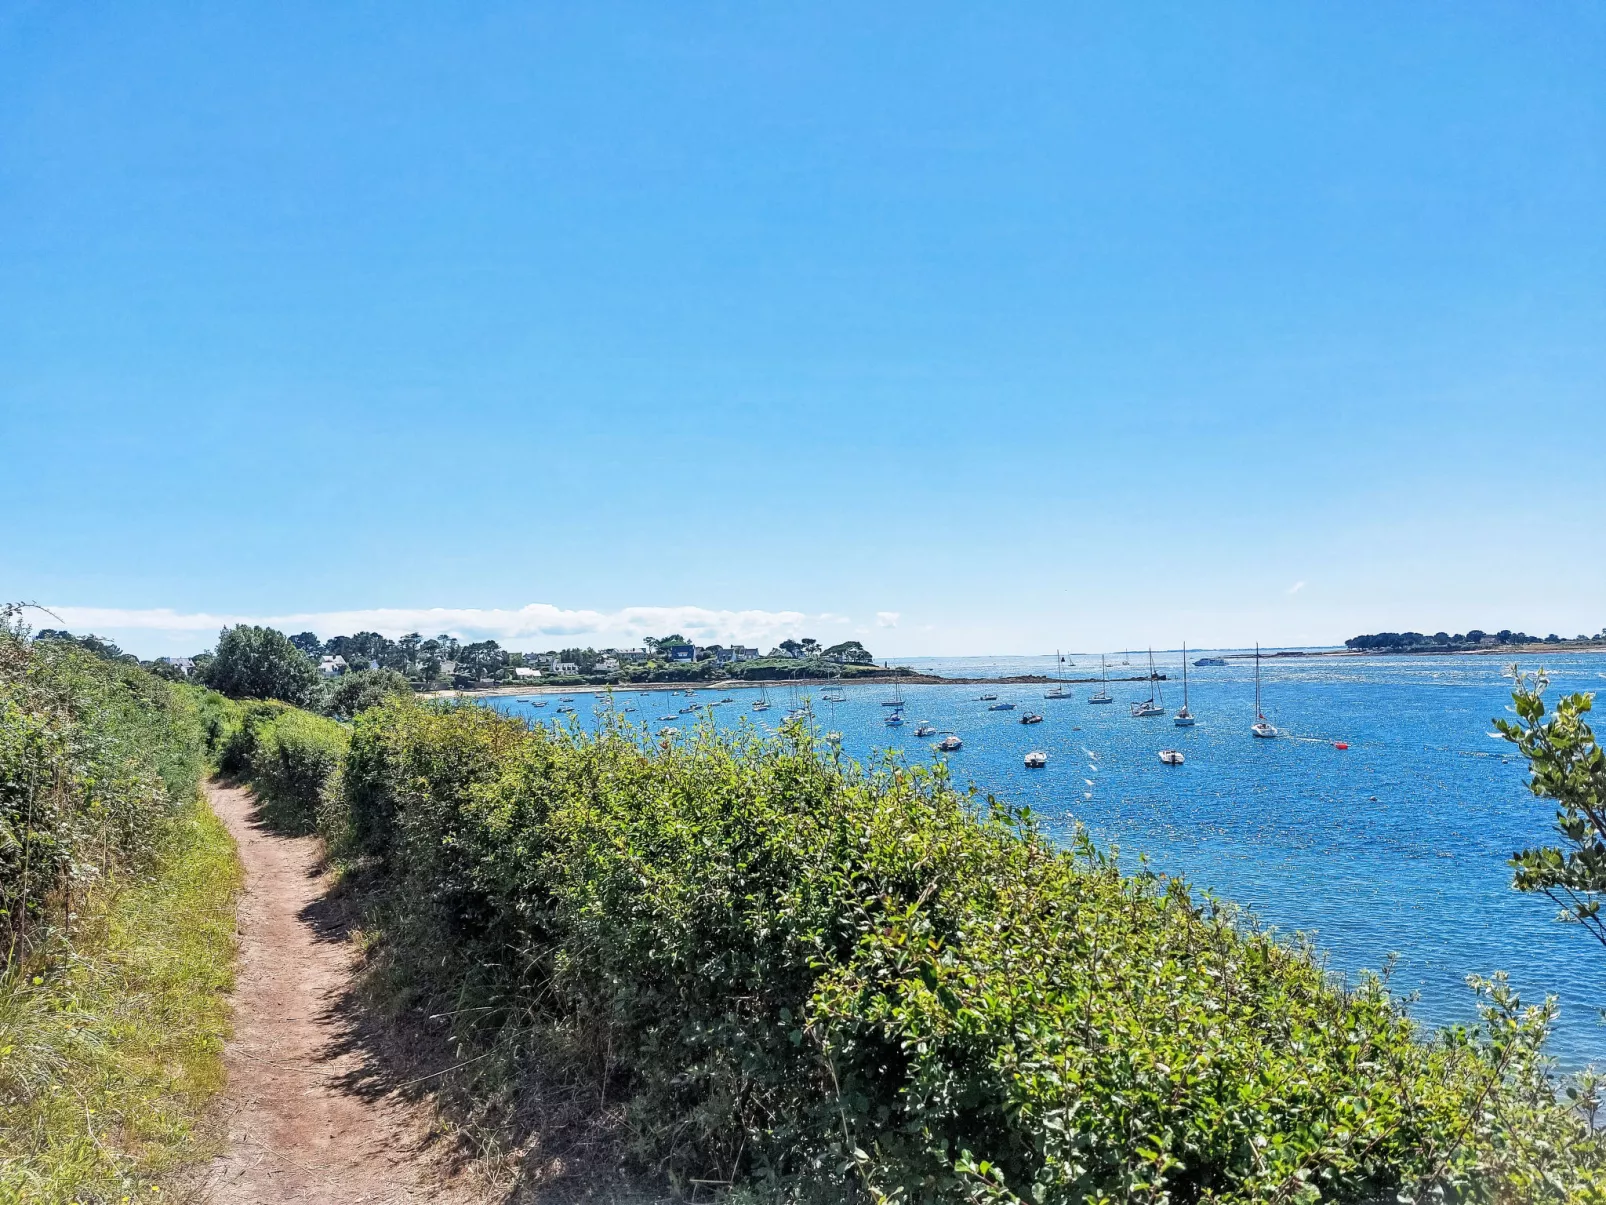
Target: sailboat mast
x,y
1184,675
1257,679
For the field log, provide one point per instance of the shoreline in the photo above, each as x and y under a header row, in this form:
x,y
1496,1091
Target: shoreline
x,y
747,683
918,679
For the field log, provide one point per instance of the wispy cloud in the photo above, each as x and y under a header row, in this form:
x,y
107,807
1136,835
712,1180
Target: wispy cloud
x,y
887,619
1296,587
532,626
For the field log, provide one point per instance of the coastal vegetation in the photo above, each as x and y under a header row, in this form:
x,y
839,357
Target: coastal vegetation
x,y
766,967
1416,642
117,915
1569,766
731,962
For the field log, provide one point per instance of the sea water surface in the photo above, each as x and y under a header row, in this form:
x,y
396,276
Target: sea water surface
x,y
1396,846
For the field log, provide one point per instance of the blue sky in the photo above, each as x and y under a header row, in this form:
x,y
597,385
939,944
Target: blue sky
x,y
957,329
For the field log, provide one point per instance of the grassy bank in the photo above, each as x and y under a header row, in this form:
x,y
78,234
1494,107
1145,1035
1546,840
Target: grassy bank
x,y
117,890
760,967
110,1054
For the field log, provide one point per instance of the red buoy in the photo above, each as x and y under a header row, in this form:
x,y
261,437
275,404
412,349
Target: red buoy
x,y
1341,744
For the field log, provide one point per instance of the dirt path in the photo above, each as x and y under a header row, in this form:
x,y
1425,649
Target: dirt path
x,y
310,1117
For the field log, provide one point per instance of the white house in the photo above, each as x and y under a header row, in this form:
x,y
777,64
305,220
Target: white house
x,y
330,666
565,667
524,671
185,665
608,665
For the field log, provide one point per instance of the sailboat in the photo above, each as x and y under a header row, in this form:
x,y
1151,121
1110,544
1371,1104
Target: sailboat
x,y
763,703
1184,718
1149,707
1261,726
835,694
897,696
1058,691
1102,694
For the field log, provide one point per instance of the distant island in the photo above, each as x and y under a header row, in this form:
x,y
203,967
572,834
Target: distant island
x,y
1473,641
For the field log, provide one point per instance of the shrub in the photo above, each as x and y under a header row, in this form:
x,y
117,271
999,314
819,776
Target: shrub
x,y
242,726
358,690
95,754
293,759
832,983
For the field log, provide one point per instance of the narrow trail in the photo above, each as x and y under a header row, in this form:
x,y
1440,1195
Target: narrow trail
x,y
311,1115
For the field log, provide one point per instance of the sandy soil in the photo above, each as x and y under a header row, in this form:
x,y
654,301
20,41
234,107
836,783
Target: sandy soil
x,y
313,1113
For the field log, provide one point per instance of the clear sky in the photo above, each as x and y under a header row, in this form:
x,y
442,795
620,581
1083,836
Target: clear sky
x,y
956,328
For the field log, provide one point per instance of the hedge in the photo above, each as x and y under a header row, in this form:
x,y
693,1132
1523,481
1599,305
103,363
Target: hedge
x,y
828,983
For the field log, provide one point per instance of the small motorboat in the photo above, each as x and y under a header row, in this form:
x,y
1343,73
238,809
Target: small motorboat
x,y
687,710
669,717
894,720
727,699
1210,661
562,710
542,703
926,730
1002,706
1171,757
629,709
985,698
1036,759
949,743
563,700
1031,717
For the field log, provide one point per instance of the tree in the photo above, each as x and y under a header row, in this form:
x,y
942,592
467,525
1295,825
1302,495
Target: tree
x,y
850,651
656,643
261,663
308,643
483,659
1569,766
366,688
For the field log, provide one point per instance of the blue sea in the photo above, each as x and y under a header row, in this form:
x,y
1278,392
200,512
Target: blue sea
x,y
1396,846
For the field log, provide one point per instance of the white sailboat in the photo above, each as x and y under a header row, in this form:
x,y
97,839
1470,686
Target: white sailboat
x,y
1102,694
1149,707
1261,726
897,696
763,703
1058,691
1184,718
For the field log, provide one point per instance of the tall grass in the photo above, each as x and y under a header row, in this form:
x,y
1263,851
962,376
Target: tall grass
x,y
771,969
110,1050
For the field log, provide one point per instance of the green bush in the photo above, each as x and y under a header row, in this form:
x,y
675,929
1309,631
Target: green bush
x,y
294,758
95,755
833,984
242,727
358,690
